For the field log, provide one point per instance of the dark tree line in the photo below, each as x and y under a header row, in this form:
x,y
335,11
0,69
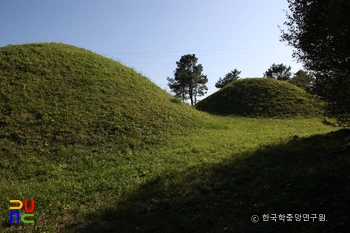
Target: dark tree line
x,y
301,78
319,31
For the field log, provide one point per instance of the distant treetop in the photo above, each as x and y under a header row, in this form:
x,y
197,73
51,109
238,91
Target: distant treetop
x,y
229,77
279,72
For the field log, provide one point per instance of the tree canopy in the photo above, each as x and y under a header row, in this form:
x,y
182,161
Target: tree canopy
x,y
320,33
229,77
188,81
279,72
303,80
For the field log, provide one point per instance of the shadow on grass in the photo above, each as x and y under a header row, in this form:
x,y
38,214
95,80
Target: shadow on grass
x,y
303,176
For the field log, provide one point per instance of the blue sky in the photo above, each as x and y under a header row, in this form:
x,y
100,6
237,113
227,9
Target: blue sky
x,y
151,35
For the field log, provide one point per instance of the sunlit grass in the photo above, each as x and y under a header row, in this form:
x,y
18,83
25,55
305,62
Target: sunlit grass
x,y
74,184
102,149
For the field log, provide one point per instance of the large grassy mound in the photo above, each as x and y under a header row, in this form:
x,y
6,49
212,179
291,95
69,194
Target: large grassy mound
x,y
55,95
263,98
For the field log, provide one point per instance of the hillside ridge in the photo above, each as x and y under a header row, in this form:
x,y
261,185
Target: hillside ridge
x,y
56,95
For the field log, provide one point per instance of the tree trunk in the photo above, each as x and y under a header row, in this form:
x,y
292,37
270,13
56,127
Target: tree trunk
x,y
191,95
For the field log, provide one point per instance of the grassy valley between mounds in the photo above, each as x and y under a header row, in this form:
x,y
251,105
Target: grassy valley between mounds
x,y
100,148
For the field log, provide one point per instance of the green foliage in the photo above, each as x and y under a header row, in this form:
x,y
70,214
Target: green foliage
x,y
262,97
279,72
188,81
335,91
320,31
303,80
229,77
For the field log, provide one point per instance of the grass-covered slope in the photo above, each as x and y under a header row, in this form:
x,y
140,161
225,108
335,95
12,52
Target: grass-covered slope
x,y
70,124
54,95
261,97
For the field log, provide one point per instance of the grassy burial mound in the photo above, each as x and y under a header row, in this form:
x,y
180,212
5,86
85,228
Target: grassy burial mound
x,y
55,95
262,97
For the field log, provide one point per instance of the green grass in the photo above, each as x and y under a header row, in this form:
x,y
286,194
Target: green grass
x,y
102,149
262,97
55,95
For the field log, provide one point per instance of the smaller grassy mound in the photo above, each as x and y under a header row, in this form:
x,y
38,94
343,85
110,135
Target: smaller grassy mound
x,y
262,97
